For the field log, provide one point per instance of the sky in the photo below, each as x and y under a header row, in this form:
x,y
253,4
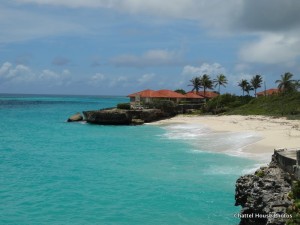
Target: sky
x,y
117,47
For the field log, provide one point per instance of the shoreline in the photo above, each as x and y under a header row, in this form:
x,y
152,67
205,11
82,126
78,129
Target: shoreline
x,y
273,132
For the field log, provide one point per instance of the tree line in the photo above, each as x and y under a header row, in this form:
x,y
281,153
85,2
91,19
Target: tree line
x,y
284,84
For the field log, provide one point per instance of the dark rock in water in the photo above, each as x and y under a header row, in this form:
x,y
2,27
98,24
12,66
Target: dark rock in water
x,y
264,196
76,117
124,117
137,122
108,117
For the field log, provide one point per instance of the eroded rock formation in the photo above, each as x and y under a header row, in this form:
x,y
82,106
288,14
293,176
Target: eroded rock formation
x,y
264,196
76,117
125,117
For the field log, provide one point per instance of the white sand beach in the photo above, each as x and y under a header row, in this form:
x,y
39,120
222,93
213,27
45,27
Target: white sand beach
x,y
274,132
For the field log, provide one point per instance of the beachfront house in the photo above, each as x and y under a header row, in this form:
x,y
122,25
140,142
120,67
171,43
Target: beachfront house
x,y
148,96
207,95
268,92
192,97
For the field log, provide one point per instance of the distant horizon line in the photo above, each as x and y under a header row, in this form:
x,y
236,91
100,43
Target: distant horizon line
x,y
87,95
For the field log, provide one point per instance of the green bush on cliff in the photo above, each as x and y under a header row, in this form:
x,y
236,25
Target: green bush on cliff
x,y
296,190
123,106
294,210
260,173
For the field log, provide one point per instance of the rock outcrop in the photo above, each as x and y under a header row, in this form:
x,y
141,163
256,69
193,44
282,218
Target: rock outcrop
x,y
108,117
264,196
125,117
76,117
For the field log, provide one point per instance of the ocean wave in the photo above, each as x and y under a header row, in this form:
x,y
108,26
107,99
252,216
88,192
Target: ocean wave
x,y
204,139
231,170
185,131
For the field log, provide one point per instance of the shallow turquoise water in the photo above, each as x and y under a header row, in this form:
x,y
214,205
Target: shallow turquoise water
x,y
54,172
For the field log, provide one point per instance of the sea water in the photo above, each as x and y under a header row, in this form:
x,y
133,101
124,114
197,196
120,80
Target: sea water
x,y
54,172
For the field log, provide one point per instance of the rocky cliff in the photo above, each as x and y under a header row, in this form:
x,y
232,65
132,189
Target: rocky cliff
x,y
264,196
125,117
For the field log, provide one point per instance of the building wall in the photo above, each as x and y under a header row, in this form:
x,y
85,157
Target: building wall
x,y
288,164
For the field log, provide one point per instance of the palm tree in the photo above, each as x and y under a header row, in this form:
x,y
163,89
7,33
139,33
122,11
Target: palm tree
x,y
249,88
297,84
196,84
206,83
286,84
221,80
256,82
244,84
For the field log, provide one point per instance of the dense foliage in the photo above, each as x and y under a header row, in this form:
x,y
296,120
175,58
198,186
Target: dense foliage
x,y
225,103
164,105
180,91
295,209
123,106
284,104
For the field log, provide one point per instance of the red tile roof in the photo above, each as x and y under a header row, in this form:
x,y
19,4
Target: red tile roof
x,y
157,94
268,92
208,94
146,94
170,94
192,95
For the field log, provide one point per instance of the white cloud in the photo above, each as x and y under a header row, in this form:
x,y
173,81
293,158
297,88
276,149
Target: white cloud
x,y
234,79
18,73
272,49
4,69
54,78
97,79
156,57
23,74
146,78
276,24
210,69
185,9
240,67
119,81
48,75
104,80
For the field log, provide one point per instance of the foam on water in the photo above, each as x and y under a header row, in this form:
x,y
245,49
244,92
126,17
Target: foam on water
x,y
204,139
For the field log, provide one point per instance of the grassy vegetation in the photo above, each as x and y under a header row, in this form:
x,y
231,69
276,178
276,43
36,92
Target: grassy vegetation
x,y
287,105
275,105
294,210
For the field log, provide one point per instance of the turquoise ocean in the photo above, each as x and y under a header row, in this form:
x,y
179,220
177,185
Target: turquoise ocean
x,y
54,172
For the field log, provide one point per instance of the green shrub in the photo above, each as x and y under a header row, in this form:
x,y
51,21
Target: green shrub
x,y
260,173
180,91
224,103
123,106
164,105
294,210
287,104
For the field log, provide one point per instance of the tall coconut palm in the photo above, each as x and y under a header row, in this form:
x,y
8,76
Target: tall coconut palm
x,y
196,84
249,88
221,80
297,85
206,83
256,82
244,84
286,83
